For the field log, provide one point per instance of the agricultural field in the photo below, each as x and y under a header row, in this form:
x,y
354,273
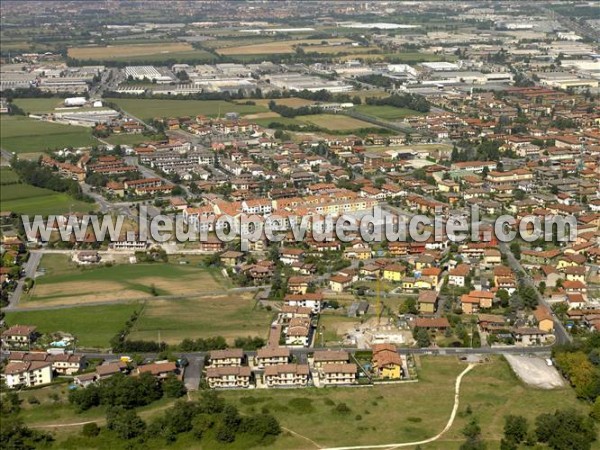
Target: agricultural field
x,y
148,109
128,139
292,102
26,199
335,122
159,51
386,112
408,412
93,326
276,47
77,285
202,317
39,105
403,57
8,176
24,135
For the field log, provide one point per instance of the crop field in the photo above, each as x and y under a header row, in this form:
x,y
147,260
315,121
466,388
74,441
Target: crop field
x,y
93,326
386,112
334,49
336,122
275,47
140,52
128,139
393,413
202,317
401,57
147,109
78,285
24,135
31,200
292,102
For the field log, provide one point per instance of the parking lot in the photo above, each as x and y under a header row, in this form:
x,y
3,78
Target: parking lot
x,y
535,371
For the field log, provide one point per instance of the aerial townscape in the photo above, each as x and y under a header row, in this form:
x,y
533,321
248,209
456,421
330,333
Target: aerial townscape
x,y
300,225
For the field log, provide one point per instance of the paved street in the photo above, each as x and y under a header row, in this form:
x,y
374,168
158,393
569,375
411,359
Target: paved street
x,y
29,270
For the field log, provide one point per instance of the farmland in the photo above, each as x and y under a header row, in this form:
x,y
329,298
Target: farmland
x,y
148,109
78,285
127,139
24,135
39,105
139,52
202,317
93,326
27,199
386,112
277,47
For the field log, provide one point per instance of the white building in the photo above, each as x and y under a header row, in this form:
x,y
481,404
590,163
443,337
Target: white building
x,y
27,374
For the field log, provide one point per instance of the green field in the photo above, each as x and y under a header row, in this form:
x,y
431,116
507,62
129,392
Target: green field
x,y
147,109
386,112
128,139
39,105
203,317
8,176
93,326
27,199
72,284
24,135
409,412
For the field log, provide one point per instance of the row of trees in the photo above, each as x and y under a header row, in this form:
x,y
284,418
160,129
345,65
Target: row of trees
x,y
410,101
126,392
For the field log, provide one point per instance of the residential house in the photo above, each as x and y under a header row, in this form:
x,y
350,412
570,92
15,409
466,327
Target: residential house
x,y
427,301
337,374
286,375
27,374
544,319
227,357
159,369
387,363
19,337
328,357
228,377
458,275
271,356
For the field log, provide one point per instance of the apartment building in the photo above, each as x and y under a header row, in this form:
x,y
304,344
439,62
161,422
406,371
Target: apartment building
x,y
337,374
287,375
27,374
228,377
228,357
272,356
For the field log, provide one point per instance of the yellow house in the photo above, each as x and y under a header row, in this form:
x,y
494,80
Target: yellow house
x,y
393,272
387,363
427,302
432,274
408,283
448,186
423,283
544,319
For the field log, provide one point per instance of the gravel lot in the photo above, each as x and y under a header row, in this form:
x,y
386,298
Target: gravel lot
x,y
535,372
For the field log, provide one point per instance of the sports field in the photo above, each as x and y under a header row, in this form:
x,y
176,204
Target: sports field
x,y
335,122
27,199
386,112
276,47
140,52
229,316
24,135
73,285
148,109
93,326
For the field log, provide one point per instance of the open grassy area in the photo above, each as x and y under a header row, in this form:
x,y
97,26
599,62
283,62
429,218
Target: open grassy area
x,y
226,315
386,112
8,176
128,139
27,199
412,411
93,326
276,47
24,135
335,122
147,109
39,105
139,52
78,285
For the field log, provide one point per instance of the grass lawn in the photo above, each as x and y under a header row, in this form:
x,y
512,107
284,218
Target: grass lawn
x,y
93,326
148,109
24,135
76,285
128,139
228,316
8,176
386,112
31,200
39,105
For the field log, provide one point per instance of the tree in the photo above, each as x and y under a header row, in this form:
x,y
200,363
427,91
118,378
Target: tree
x,y
90,429
422,338
472,431
125,423
515,248
173,387
504,297
595,413
515,428
565,430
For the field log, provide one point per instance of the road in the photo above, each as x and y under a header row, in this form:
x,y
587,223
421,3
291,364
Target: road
x,y
29,270
561,334
193,372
